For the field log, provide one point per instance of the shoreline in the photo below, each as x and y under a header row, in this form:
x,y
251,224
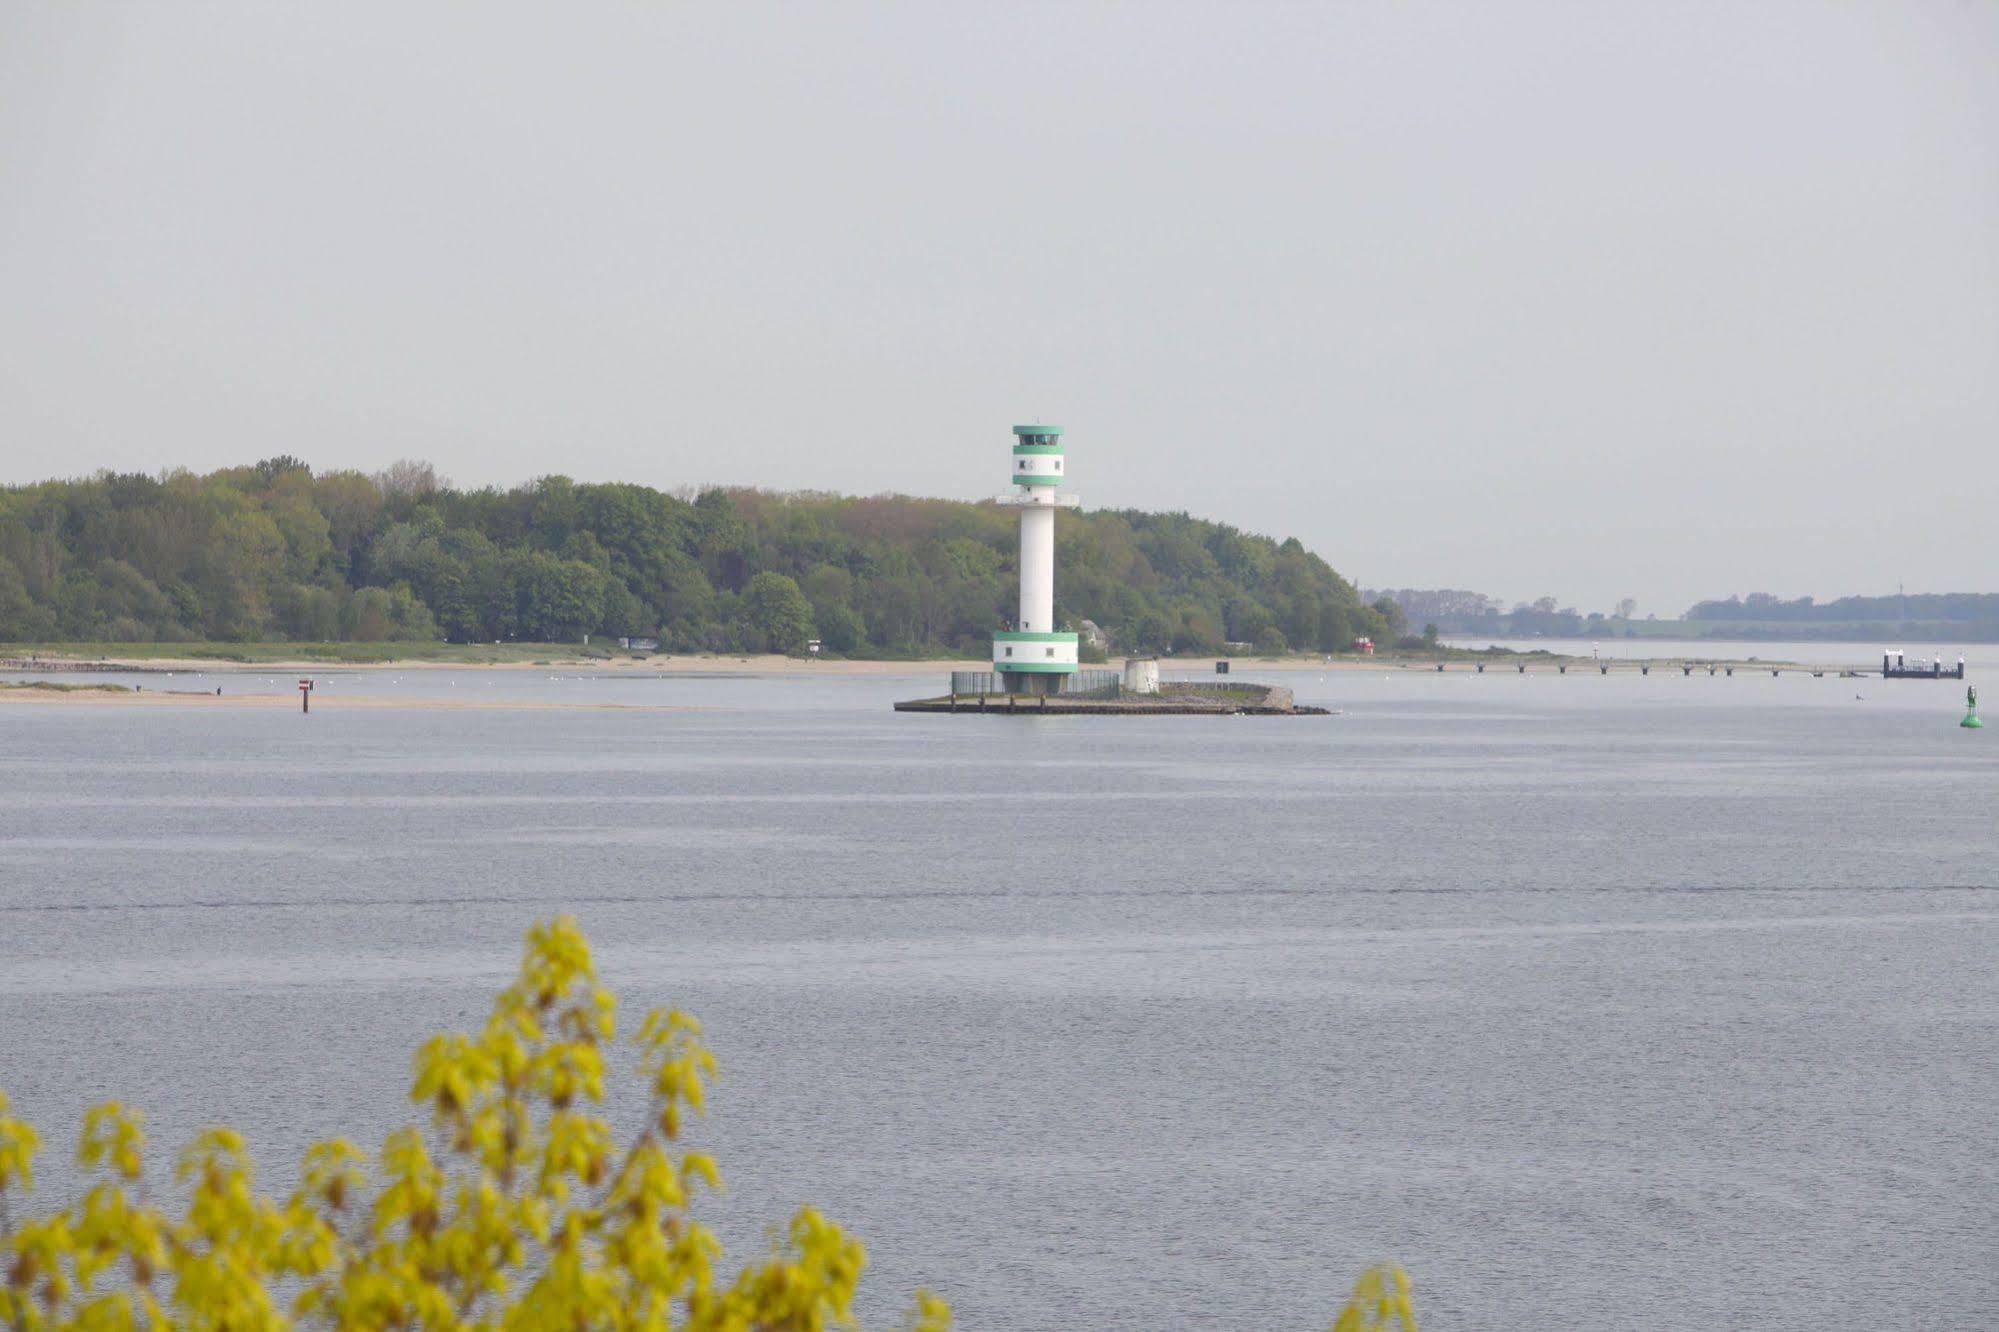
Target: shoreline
x,y
81,681
775,664
764,664
148,698
760,664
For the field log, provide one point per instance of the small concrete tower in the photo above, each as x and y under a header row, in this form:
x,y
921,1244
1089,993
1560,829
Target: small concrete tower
x,y
1032,657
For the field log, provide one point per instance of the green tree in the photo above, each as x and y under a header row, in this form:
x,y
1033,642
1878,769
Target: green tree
x,y
368,617
724,542
559,600
1153,632
1335,629
624,613
777,612
314,614
21,620
1199,633
240,562
352,505
840,629
1391,615
894,612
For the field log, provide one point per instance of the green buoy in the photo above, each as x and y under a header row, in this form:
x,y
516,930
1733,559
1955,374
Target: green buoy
x,y
1971,707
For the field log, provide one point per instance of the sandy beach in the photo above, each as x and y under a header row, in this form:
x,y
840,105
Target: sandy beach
x,y
702,665
150,698
764,664
165,681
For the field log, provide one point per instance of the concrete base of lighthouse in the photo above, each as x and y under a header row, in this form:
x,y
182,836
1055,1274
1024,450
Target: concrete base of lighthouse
x,y
1031,682
1236,698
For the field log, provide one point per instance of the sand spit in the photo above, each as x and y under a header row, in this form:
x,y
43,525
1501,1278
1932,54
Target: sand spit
x,y
767,664
321,702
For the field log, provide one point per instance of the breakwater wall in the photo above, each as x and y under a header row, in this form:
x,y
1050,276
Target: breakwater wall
x,y
1233,698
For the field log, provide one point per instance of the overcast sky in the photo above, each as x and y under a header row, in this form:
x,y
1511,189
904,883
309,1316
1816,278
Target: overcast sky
x,y
1585,299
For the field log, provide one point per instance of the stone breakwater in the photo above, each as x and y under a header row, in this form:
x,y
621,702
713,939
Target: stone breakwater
x,y
1236,699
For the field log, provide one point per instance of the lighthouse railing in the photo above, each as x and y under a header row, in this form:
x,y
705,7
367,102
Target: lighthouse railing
x,y
970,684
1098,684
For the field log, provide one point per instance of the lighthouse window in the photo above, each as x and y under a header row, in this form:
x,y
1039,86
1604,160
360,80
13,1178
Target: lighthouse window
x,y
1009,652
1051,652
1023,464
1058,464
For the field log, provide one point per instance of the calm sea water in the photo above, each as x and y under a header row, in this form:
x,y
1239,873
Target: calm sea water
x,y
1596,1002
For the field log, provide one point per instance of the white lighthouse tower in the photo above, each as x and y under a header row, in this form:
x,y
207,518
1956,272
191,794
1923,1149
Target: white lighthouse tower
x,y
1032,657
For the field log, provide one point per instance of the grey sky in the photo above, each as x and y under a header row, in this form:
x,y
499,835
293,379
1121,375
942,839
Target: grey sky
x,y
1587,299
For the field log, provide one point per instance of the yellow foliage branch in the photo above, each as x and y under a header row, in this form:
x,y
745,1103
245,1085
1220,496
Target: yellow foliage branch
x,y
525,1218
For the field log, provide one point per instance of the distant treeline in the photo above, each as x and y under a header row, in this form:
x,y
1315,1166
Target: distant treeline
x,y
1928,607
1455,611
1943,617
275,552
1948,617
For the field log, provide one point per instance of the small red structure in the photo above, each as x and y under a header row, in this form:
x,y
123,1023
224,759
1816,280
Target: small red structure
x,y
1364,646
305,695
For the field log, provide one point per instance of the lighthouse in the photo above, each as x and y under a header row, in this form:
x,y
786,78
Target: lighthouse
x,y
1032,657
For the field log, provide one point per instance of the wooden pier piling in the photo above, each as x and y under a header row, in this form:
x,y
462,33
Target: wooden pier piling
x,y
1643,666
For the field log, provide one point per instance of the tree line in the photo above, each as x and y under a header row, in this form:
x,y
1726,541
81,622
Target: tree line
x,y
1455,611
278,552
1940,607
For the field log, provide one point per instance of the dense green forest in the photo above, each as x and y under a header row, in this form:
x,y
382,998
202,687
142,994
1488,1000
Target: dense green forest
x,y
275,552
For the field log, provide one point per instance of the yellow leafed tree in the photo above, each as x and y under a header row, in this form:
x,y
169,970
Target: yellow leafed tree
x,y
524,1216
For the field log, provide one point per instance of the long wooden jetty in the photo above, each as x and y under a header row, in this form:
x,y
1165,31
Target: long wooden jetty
x,y
1682,666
